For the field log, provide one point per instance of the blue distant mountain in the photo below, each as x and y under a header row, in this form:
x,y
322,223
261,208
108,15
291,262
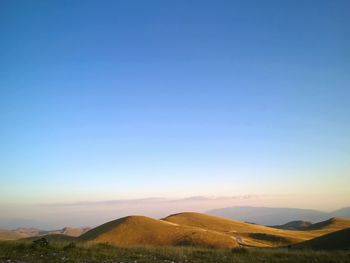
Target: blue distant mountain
x,y
343,212
276,216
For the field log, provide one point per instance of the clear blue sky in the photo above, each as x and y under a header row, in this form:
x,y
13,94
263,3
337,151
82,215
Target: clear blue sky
x,y
131,99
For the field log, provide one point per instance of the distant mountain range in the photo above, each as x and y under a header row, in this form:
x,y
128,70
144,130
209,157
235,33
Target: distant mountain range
x,y
34,232
272,216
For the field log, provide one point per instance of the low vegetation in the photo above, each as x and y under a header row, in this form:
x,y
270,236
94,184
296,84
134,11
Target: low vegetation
x,y
48,251
268,237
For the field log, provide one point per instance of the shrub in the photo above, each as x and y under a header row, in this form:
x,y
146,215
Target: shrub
x,y
239,250
70,246
40,243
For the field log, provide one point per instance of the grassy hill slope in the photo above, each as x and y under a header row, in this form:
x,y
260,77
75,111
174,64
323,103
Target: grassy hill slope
x,y
141,230
255,235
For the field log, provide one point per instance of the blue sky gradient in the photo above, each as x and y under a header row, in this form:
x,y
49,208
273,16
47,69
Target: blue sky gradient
x,y
132,99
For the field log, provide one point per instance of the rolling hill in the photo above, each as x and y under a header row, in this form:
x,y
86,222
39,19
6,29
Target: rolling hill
x,y
145,231
245,233
328,226
294,225
256,235
193,229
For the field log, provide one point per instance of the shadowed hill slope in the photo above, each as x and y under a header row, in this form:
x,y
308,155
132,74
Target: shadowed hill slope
x,y
332,224
141,230
337,240
294,225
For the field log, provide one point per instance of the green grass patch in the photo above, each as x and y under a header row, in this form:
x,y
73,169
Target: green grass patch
x,y
28,252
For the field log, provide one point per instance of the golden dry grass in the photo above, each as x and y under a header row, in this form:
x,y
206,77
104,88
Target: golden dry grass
x,y
199,230
18,251
141,230
257,235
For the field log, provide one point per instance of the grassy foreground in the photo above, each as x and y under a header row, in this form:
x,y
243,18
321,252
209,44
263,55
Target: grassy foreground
x,y
27,252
